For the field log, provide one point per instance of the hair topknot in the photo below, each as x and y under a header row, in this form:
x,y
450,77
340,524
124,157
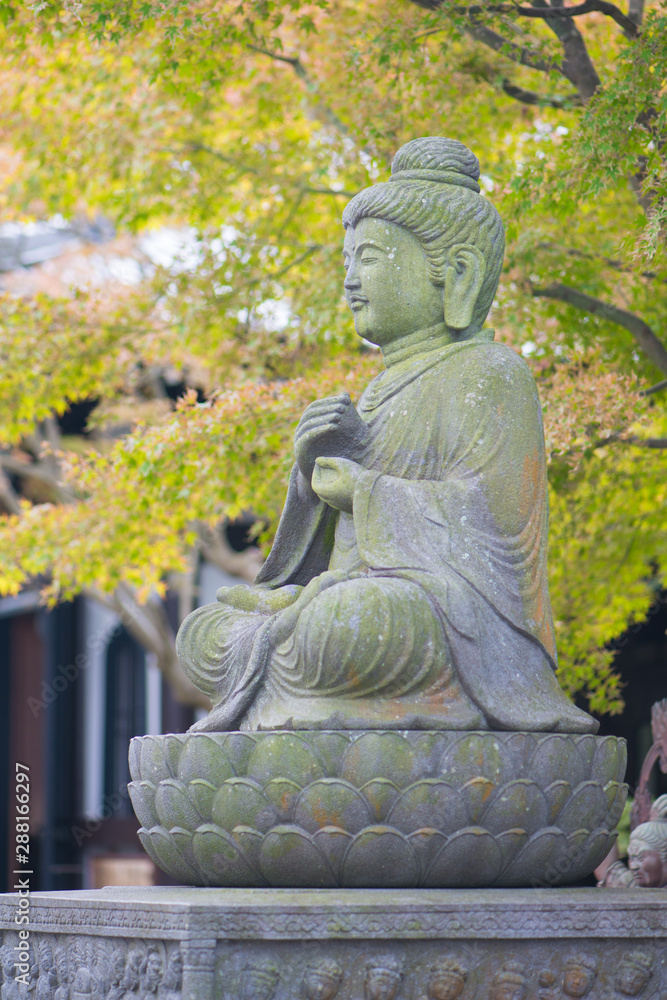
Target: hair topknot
x,y
436,158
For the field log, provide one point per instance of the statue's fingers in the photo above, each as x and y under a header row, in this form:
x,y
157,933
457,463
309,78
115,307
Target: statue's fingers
x,y
315,430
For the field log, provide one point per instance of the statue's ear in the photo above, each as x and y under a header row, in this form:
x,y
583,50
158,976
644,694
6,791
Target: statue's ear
x,y
463,283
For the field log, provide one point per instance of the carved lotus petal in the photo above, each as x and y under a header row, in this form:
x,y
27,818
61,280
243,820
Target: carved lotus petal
x,y
333,843
283,755
142,794
556,759
241,802
249,843
219,857
380,857
283,795
606,759
238,748
586,746
332,802
173,748
174,806
593,851
426,843
202,793
510,843
557,794
520,804
585,810
379,755
519,749
330,749
477,794
616,795
161,848
428,749
475,755
471,857
182,839
380,795
134,758
541,861
429,803
153,766
290,858
203,757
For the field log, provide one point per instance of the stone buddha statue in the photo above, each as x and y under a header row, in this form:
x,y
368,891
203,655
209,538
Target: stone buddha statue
x,y
407,587
647,854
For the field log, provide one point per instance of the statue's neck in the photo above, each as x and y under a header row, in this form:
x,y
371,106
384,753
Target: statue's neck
x,y
419,342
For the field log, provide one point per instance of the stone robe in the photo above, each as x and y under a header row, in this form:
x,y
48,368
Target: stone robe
x,y
428,606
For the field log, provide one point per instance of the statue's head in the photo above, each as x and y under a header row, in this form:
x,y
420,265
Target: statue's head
x,y
659,809
509,983
446,980
647,854
424,248
383,978
259,982
580,971
322,980
634,972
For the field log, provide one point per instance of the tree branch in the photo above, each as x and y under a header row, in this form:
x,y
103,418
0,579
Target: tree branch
x,y
658,387
539,100
215,548
631,439
628,25
36,470
9,498
578,67
617,265
641,331
518,54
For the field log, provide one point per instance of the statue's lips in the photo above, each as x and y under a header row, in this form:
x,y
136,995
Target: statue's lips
x,y
356,302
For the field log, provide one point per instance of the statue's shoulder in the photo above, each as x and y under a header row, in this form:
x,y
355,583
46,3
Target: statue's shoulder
x,y
487,361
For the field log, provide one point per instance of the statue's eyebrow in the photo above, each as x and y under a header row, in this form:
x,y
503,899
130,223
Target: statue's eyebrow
x,y
369,243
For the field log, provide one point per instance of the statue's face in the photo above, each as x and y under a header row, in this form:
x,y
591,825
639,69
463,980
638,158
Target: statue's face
x,y
630,980
646,865
319,986
445,986
577,981
387,284
381,984
508,991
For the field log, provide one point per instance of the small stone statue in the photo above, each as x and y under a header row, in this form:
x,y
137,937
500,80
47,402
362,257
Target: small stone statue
x,y
172,983
633,973
321,980
446,981
580,972
62,969
647,854
259,982
617,876
383,979
509,983
116,973
407,586
151,974
10,988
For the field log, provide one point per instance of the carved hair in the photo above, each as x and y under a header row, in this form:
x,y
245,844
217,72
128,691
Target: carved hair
x,y
582,962
511,972
389,964
659,809
326,967
450,966
652,835
434,194
641,960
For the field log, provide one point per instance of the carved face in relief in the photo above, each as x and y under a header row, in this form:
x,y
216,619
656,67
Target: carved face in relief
x,y
320,983
445,984
577,980
387,284
153,970
631,978
258,984
381,984
507,987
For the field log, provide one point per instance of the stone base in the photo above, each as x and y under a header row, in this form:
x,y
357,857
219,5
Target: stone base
x,y
381,944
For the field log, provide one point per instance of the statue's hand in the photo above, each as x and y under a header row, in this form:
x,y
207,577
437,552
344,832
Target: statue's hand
x,y
334,480
329,427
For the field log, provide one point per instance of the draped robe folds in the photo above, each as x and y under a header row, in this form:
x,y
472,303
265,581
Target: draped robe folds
x,y
428,606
